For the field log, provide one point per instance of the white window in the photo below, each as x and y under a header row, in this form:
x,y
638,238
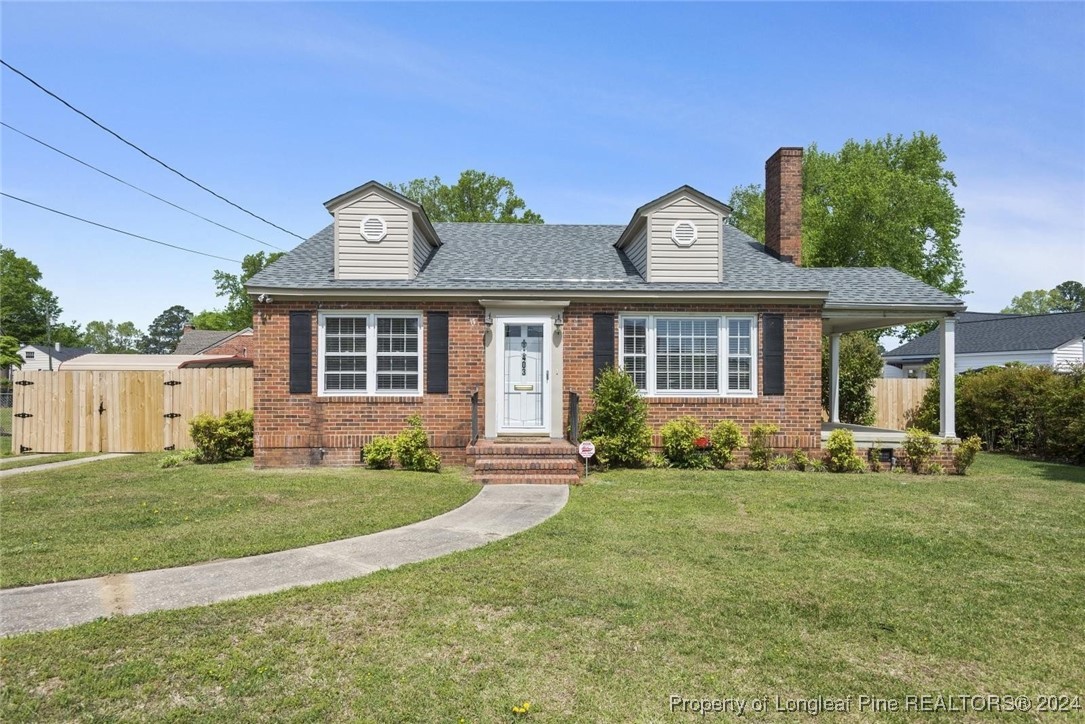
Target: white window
x,y
29,354
692,355
370,353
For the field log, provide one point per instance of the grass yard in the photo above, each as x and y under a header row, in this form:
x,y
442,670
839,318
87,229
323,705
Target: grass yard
x,y
127,514
648,584
27,461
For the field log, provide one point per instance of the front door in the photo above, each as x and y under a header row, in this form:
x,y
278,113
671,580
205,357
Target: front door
x,y
525,375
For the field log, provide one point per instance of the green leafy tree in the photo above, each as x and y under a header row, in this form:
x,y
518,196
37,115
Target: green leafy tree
x,y
477,196
9,352
237,313
67,334
887,202
165,331
211,319
112,338
1066,297
27,308
860,364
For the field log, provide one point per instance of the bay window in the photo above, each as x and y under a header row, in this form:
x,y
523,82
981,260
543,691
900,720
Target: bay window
x,y
693,355
376,353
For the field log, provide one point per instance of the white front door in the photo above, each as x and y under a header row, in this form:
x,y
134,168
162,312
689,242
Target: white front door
x,y
524,374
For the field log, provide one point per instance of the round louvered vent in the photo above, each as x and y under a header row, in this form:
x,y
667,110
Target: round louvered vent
x,y
373,228
684,233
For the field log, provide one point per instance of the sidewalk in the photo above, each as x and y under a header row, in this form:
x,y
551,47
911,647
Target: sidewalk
x,y
61,464
496,512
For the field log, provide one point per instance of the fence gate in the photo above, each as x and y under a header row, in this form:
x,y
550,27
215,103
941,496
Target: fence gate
x,y
128,411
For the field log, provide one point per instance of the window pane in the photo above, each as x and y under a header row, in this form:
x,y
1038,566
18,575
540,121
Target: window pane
x,y
687,354
398,361
344,354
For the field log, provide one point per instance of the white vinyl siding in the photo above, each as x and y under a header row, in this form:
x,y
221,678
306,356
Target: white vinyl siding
x,y
420,251
357,258
668,262
370,353
1070,353
690,355
637,251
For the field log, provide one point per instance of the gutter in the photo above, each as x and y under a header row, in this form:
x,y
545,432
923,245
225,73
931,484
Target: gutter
x,y
508,294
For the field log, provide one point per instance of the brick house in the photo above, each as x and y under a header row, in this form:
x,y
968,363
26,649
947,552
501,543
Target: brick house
x,y
493,333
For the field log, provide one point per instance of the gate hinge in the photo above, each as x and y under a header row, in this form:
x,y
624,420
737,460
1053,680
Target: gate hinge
x,y
23,414
172,414
171,383
25,449
170,447
23,382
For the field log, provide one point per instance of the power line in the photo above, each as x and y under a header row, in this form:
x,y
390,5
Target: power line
x,y
157,160
137,188
119,231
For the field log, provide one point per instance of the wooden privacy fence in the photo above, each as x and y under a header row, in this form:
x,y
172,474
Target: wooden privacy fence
x,y
144,411
895,398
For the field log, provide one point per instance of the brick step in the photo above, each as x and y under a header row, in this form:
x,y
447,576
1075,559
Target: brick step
x,y
518,478
561,465
562,449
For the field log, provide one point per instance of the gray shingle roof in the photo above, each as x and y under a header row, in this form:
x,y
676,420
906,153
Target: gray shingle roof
x,y
487,257
197,340
1000,333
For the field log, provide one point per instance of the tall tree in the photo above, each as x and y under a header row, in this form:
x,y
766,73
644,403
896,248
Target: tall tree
x,y
887,202
477,196
112,338
237,314
27,308
1066,297
211,319
9,353
165,331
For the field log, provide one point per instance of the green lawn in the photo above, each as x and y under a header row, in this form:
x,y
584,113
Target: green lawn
x,y
27,461
648,584
127,514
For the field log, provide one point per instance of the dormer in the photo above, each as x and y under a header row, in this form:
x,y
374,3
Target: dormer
x,y
380,234
677,238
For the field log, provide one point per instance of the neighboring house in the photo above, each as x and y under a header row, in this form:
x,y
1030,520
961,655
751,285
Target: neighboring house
x,y
149,362
43,357
501,328
205,341
1053,340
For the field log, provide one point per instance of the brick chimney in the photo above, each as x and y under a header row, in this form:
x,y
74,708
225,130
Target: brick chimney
x,y
783,205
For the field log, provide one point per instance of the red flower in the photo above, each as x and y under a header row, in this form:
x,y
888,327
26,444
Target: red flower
x,y
701,442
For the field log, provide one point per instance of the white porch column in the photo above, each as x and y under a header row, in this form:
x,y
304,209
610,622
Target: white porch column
x,y
947,398
834,377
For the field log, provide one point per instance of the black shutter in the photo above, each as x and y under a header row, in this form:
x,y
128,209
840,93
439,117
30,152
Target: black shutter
x,y
772,332
301,352
602,343
437,353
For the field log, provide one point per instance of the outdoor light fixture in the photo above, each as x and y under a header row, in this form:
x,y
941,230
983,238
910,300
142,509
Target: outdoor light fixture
x,y
488,320
559,320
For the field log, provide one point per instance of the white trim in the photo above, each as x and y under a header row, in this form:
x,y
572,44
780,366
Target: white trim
x,y
723,330
370,353
499,322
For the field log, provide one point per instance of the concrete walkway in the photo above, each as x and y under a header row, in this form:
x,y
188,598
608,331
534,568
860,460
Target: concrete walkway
x,y
62,464
496,512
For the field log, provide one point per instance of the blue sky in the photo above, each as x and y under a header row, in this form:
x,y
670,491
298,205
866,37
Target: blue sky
x,y
591,110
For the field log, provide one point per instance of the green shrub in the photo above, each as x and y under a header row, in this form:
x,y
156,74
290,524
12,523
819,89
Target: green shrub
x,y
412,448
379,453
655,460
1017,409
219,439
935,469
680,443
801,461
760,450
780,462
618,422
965,453
920,446
726,437
171,461
840,454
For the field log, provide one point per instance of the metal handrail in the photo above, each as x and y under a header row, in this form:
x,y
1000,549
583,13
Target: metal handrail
x,y
574,417
474,417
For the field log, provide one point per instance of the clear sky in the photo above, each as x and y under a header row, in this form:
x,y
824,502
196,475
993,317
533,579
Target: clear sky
x,y
590,109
